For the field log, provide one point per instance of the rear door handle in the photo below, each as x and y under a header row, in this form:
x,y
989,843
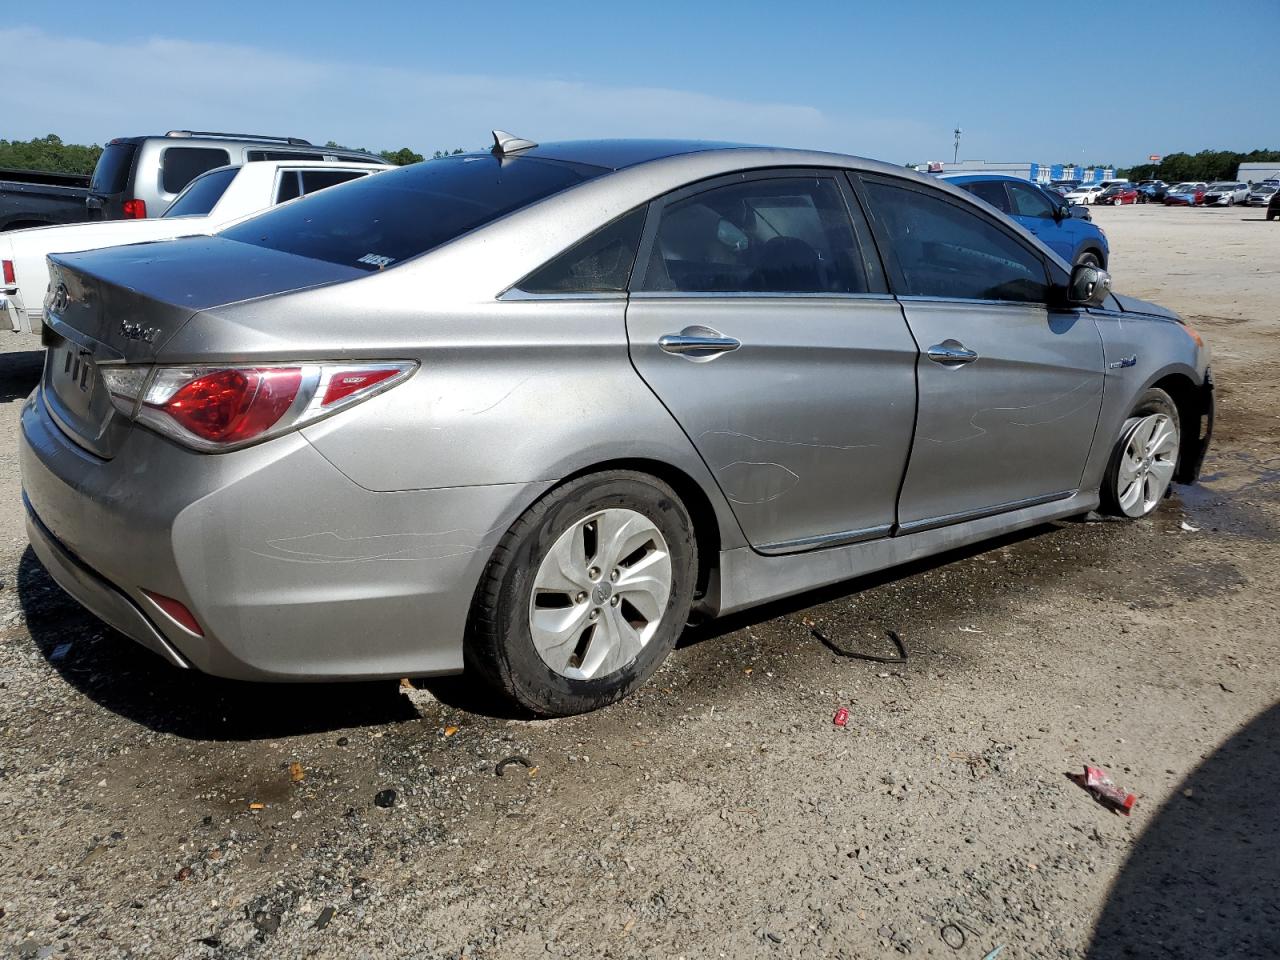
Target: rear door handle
x,y
951,352
697,343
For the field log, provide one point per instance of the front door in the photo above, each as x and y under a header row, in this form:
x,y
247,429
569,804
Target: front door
x,y
761,319
1010,389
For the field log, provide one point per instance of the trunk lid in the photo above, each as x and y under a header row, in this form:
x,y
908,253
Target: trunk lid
x,y
123,304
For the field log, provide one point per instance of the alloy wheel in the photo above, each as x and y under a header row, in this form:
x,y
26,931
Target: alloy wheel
x,y
600,594
1147,465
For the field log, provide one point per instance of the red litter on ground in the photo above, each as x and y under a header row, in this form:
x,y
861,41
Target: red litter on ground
x,y
841,718
1099,783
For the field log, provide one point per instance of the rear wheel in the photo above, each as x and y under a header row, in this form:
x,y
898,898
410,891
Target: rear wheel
x,y
585,595
1144,458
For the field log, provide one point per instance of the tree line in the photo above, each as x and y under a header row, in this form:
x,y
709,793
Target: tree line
x,y
51,154
1207,165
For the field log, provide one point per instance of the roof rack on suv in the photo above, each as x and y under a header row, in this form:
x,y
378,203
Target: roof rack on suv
x,y
294,141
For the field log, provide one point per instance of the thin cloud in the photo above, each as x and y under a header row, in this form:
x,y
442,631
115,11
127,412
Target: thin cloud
x,y
89,91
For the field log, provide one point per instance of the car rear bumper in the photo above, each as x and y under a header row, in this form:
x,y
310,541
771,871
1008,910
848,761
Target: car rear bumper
x,y
292,571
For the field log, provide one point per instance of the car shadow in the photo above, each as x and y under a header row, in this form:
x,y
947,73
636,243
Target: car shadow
x,y
129,680
19,373
1202,880
123,677
465,693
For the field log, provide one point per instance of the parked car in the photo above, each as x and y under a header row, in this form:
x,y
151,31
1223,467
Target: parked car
x,y
519,412
1226,193
34,198
1086,193
138,177
1273,206
1261,195
210,202
1152,191
1185,195
1117,194
1046,215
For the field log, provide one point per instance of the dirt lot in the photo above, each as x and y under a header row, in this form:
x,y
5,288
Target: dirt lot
x,y
719,813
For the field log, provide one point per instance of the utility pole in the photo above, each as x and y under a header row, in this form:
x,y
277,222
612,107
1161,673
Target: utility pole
x,y
956,157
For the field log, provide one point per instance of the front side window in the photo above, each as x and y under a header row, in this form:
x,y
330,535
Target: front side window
x,y
786,235
945,251
599,264
991,191
1030,202
377,222
180,165
202,194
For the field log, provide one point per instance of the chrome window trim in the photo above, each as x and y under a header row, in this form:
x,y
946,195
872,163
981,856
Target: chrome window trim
x,y
905,298
754,295
516,294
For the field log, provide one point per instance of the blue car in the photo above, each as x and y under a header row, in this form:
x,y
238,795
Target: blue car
x,y
1056,223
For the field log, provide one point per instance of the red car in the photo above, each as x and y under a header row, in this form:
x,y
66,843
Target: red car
x,y
1118,193
1185,195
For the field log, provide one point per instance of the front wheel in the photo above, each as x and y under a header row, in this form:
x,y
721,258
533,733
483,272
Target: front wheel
x,y
585,595
1144,458
1088,259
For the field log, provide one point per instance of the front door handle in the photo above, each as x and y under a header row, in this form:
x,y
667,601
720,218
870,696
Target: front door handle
x,y
951,352
697,343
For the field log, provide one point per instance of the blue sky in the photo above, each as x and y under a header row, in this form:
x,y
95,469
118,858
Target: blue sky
x,y
887,80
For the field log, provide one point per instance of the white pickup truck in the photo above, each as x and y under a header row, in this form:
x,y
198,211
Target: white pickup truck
x,y
210,202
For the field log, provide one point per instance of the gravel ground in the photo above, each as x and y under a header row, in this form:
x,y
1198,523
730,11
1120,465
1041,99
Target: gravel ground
x,y
719,813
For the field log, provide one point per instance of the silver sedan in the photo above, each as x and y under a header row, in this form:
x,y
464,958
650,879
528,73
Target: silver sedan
x,y
522,412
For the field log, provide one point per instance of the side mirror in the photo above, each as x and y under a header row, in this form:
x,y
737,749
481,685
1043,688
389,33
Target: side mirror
x,y
1089,286
1079,211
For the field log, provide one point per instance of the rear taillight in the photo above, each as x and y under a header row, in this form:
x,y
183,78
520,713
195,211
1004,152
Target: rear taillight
x,y
9,276
216,408
135,209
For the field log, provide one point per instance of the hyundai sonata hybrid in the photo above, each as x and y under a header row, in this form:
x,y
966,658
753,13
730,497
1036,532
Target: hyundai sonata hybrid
x,y
524,412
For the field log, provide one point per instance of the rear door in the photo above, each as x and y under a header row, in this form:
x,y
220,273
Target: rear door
x,y
1010,389
759,315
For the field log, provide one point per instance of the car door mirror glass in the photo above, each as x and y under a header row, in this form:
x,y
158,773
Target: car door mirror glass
x,y
1089,286
733,238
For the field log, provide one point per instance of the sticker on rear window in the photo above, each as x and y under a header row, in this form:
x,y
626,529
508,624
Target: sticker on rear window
x,y
376,260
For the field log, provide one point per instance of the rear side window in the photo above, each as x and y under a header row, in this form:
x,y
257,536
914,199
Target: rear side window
x,y
599,264
202,194
943,250
180,165
111,174
383,220
289,186
786,235
313,180
991,191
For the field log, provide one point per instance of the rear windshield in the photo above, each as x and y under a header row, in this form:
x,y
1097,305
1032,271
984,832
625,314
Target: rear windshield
x,y
112,172
379,221
202,194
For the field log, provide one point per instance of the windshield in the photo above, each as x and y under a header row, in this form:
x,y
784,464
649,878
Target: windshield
x,y
379,221
1221,186
1185,187
202,194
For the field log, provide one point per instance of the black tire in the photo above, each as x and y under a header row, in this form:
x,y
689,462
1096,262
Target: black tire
x,y
1271,216
1090,258
1152,401
499,647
